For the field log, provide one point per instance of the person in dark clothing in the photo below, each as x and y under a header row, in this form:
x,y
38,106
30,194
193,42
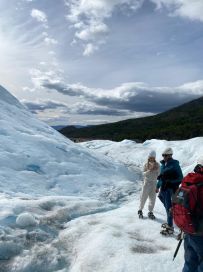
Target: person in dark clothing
x,y
193,246
168,181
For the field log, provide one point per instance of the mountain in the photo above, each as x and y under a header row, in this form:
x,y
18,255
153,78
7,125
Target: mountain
x,y
58,127
182,122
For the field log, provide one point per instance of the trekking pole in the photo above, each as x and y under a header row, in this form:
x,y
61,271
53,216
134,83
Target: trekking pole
x,y
179,244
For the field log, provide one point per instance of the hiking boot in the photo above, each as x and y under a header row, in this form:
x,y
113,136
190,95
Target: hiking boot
x,y
151,215
167,231
140,214
165,226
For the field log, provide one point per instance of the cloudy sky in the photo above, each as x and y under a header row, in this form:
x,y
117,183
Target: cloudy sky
x,y
97,61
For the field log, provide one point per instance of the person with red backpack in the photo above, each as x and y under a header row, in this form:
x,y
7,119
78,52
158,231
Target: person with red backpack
x,y
168,182
188,216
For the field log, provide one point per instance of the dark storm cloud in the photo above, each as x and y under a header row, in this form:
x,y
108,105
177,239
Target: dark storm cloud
x,y
147,101
137,98
42,106
78,108
94,110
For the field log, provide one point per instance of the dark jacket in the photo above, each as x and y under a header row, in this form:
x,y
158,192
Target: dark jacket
x,y
170,175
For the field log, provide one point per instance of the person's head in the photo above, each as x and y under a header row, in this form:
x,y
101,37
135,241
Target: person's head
x,y
167,154
199,167
152,156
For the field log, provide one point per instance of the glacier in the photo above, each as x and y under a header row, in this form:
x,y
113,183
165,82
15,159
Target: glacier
x,y
67,207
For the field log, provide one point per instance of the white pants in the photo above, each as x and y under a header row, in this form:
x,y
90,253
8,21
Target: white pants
x,y
148,191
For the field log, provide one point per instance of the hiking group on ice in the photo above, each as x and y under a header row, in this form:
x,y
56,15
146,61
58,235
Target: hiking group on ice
x,y
64,207
183,205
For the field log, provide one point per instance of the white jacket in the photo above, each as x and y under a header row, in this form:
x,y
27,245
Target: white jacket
x,y
151,171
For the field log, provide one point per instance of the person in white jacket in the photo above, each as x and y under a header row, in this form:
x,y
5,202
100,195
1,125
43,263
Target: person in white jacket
x,y
150,173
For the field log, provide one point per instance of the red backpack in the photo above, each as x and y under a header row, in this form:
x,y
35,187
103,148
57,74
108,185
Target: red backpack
x,y
188,204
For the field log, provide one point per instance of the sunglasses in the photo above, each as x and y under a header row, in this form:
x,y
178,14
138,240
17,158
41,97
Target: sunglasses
x,y
165,155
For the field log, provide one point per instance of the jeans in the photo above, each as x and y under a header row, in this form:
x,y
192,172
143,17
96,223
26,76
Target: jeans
x,y
165,197
193,246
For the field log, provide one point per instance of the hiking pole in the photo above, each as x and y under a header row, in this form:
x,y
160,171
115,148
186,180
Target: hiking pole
x,y
179,244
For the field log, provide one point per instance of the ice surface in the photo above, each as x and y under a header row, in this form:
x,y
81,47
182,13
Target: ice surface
x,y
68,207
